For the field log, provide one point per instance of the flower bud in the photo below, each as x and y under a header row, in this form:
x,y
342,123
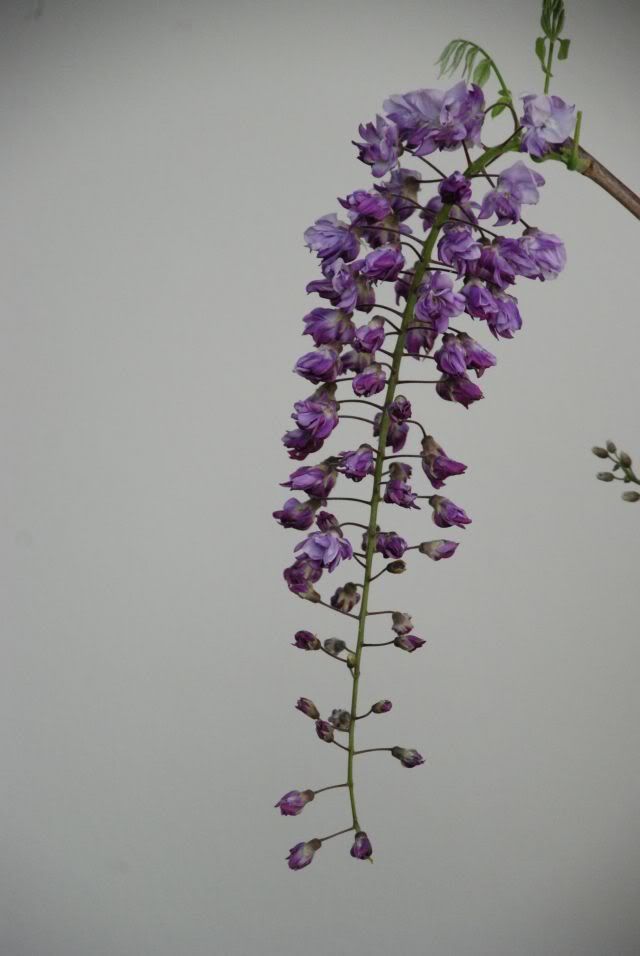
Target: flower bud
x,y
396,567
351,660
294,802
437,550
625,460
604,476
340,719
611,447
346,598
361,848
302,854
408,758
631,496
334,646
600,452
327,522
381,707
307,707
402,623
409,642
306,641
324,731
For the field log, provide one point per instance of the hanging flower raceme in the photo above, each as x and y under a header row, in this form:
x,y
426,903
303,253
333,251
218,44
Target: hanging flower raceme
x,y
435,273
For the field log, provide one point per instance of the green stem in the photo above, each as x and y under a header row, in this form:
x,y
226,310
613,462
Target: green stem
x,y
547,69
421,267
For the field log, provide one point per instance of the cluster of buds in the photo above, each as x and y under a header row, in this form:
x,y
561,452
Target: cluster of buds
x,y
621,470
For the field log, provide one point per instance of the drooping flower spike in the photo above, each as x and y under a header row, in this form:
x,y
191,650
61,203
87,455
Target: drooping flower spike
x,y
439,266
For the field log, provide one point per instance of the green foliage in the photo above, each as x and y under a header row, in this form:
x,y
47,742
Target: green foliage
x,y
463,54
552,19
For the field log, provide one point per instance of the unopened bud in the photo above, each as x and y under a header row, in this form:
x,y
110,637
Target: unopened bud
x,y
625,460
409,642
351,660
604,476
324,731
611,447
346,597
381,707
437,550
407,757
334,646
340,719
306,641
631,496
600,452
307,707
396,567
402,622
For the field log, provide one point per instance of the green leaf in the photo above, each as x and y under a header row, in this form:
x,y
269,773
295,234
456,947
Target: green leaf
x,y
469,61
457,57
498,108
444,56
563,49
541,52
482,72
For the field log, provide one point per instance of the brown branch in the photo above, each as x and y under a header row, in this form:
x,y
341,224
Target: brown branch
x,y
589,166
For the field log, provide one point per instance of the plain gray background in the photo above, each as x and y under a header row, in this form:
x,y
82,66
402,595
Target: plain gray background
x,y
160,163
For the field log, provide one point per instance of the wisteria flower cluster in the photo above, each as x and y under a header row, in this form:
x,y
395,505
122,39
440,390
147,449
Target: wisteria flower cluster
x,y
414,269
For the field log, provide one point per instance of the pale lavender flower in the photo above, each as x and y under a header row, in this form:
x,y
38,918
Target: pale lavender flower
x,y
516,186
438,302
294,802
438,550
326,550
548,123
332,239
380,147
302,854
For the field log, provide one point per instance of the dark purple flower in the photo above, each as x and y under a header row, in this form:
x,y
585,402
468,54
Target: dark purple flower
x,y
370,337
421,336
326,550
301,577
548,123
546,252
325,521
446,514
306,641
324,731
493,266
307,707
332,239
346,598
316,480
294,802
459,389
296,514
352,361
477,358
436,464
390,545
301,443
437,550
328,325
370,381
438,302
317,414
451,357
479,301
409,642
384,263
507,319
400,409
321,365
380,147
339,285
459,249
340,719
398,492
361,848
396,432
408,758
516,186
357,464
402,623
381,707
302,854
365,204
455,189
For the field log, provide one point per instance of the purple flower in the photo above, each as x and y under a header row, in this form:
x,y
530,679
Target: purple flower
x,y
294,802
408,758
296,514
459,249
455,189
332,239
301,443
321,365
384,263
357,464
480,302
339,285
301,577
390,545
436,119
546,252
548,122
436,464
402,623
446,514
420,336
307,707
328,522
352,361
380,147
317,414
401,189
365,204
306,641
369,337
381,707
396,433
409,642
464,213
398,491
302,854
507,319
493,266
516,185
328,325
400,409
346,598
326,550
477,358
316,480
438,302
361,848
438,550
451,357
459,389
370,381
324,731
